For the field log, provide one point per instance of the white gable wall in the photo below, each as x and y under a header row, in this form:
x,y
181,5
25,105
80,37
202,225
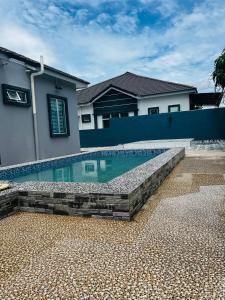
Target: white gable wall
x,y
163,102
83,110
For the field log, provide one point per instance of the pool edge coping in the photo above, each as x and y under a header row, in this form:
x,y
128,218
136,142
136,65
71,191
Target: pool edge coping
x,y
123,184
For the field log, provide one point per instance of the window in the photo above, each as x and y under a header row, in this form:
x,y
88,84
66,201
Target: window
x,y
86,118
174,108
124,114
107,117
13,95
105,120
153,110
115,115
58,116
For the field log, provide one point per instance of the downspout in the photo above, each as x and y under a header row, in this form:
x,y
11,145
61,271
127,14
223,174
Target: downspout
x,y
36,139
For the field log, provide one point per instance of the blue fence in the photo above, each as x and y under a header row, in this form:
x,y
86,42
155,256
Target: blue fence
x,y
197,124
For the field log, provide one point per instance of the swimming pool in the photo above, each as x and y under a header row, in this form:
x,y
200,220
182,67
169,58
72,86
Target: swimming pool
x,y
96,168
104,184
101,166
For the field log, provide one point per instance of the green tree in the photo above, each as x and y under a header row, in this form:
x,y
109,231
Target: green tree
x,y
219,72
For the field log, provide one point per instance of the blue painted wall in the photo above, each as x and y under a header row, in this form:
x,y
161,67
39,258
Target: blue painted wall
x,y
197,124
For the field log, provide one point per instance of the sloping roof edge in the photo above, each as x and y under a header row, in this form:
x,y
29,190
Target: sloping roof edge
x,y
90,94
108,88
35,63
95,98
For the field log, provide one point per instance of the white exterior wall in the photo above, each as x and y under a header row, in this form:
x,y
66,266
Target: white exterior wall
x,y
89,110
163,102
83,110
159,101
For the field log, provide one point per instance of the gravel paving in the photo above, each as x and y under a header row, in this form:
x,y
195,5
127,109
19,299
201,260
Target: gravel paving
x,y
174,248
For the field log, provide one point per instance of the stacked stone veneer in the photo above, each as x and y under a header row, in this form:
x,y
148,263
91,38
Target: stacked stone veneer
x,y
99,205
8,202
120,199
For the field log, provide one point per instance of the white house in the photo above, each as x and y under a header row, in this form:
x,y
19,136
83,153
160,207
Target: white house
x,y
129,95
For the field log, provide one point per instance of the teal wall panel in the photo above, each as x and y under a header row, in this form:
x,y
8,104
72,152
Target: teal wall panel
x,y
197,124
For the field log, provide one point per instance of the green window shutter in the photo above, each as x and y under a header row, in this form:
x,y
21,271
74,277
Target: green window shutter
x,y
58,116
62,116
54,118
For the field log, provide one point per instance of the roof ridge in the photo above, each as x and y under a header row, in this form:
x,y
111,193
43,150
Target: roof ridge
x,y
172,82
96,84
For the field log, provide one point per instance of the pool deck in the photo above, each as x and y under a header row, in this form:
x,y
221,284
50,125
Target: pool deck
x,y
174,248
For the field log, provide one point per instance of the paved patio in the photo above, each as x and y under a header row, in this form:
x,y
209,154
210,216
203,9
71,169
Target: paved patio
x,y
188,144
174,248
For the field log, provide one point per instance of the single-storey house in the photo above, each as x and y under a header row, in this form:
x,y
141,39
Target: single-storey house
x,y
38,110
131,95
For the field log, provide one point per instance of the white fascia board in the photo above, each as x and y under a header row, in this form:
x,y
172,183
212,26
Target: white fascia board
x,y
103,93
167,94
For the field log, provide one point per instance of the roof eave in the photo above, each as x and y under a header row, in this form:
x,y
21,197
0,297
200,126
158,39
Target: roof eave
x,y
36,64
187,91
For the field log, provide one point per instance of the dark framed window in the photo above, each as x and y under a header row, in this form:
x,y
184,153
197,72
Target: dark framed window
x,y
174,108
106,116
105,120
153,110
58,116
124,114
115,115
14,95
86,118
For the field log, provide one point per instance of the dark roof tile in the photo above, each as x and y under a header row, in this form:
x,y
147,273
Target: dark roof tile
x,y
135,84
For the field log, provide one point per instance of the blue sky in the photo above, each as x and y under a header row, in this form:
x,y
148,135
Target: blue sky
x,y
175,40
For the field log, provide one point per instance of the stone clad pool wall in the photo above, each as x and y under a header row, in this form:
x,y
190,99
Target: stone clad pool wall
x,y
8,202
120,198
138,198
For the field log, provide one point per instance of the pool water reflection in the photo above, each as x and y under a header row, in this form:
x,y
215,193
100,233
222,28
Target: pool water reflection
x,y
97,169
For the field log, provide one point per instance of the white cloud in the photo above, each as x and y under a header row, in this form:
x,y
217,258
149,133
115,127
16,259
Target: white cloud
x,y
124,23
18,39
81,15
98,45
195,40
164,7
94,3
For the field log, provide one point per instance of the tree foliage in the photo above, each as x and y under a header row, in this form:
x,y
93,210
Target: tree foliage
x,y
219,71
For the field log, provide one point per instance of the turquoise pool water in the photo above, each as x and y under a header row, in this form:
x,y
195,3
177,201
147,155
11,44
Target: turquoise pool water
x,y
94,169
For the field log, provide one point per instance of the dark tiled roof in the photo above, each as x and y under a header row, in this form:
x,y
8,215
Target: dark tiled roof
x,y
133,84
34,63
206,98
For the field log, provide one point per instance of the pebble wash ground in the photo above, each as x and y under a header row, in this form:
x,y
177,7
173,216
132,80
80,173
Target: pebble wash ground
x,y
173,249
